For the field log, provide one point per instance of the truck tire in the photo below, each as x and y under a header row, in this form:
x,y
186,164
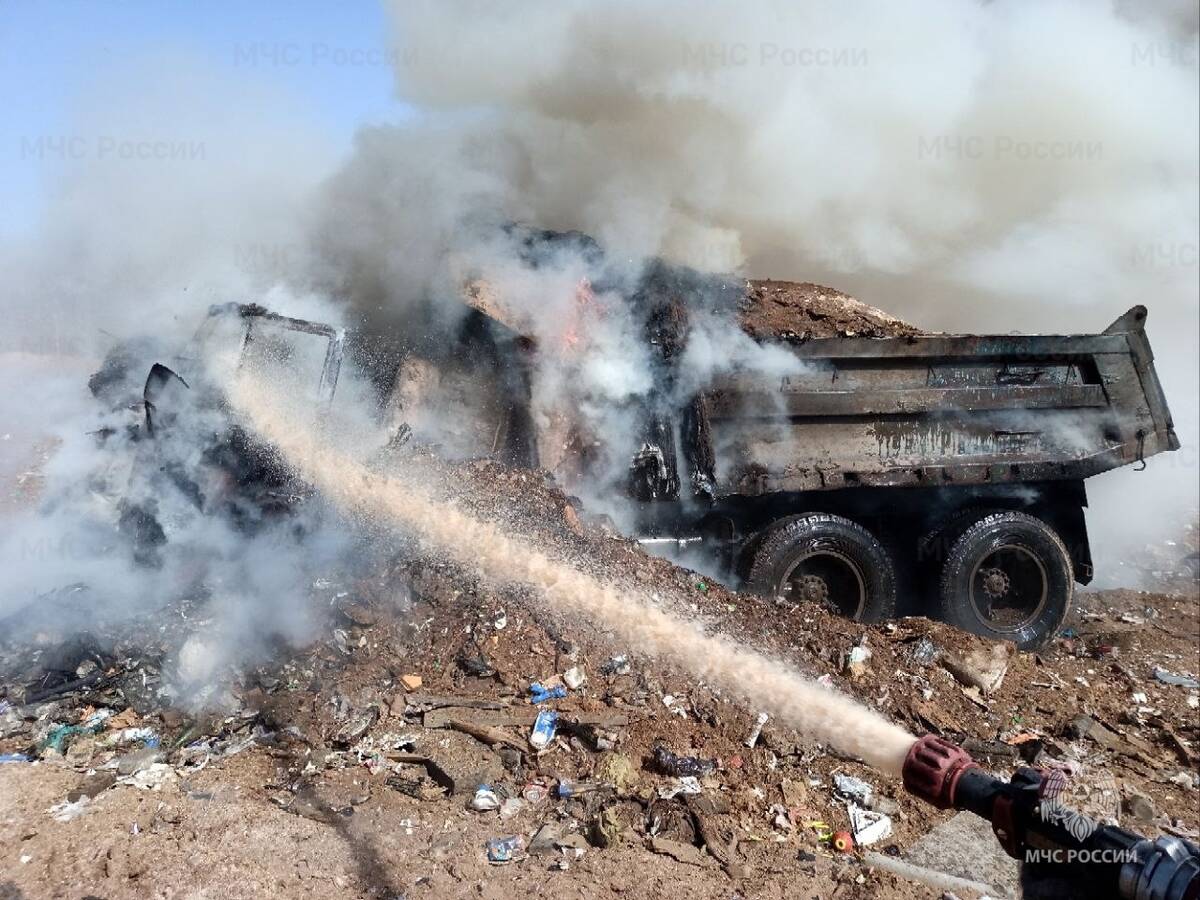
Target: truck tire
x,y
749,550
826,559
1007,576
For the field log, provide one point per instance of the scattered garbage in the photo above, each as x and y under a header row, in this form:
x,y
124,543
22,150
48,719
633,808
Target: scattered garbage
x,y
759,722
924,652
13,758
535,792
510,807
853,789
857,660
682,766
544,727
567,788
475,665
842,842
1171,678
868,826
485,799
506,849
688,785
574,677
540,694
616,665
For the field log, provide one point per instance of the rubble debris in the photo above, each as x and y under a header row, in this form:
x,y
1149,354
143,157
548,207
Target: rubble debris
x,y
411,682
574,677
506,850
681,852
1171,678
983,667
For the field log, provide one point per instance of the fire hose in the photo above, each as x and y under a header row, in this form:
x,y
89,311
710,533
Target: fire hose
x,y
1113,862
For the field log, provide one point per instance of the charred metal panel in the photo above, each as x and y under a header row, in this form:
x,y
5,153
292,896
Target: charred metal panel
x,y
937,410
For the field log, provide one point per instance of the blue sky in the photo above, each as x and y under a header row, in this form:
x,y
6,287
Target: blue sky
x,y
329,57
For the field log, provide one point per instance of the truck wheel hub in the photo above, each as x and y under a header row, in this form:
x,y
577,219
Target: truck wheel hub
x,y
812,589
995,583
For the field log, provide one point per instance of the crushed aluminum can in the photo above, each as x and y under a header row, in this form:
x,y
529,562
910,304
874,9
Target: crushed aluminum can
x,y
506,849
544,727
535,792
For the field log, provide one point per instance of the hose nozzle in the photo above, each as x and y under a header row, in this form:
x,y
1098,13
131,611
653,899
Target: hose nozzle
x,y
932,769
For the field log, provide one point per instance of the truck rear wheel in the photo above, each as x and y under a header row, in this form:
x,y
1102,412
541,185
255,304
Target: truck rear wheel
x,y
829,560
1007,576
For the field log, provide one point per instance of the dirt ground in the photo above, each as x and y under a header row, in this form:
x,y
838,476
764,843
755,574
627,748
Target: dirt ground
x,y
796,311
333,771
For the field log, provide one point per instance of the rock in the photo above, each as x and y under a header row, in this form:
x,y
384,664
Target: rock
x,y
138,760
92,786
983,668
1140,807
571,518
684,853
411,682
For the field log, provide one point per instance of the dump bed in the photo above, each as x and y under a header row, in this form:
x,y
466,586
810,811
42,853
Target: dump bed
x,y
935,410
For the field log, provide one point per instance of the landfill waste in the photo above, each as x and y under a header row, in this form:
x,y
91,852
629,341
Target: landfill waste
x,y
1167,677
616,665
574,677
688,785
485,799
759,721
540,694
13,758
567,788
544,728
867,826
506,849
682,766
842,842
853,789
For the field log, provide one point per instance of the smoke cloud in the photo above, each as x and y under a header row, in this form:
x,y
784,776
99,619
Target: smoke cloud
x,y
981,167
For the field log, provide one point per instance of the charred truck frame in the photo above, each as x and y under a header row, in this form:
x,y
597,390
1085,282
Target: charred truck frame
x,y
947,467
951,465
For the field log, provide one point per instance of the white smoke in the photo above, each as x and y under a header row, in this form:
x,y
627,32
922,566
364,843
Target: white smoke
x,y
1019,166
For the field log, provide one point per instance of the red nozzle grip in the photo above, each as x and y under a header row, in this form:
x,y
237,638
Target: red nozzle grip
x,y
932,769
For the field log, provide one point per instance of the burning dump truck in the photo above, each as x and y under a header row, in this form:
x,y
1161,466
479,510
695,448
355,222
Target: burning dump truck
x,y
888,472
